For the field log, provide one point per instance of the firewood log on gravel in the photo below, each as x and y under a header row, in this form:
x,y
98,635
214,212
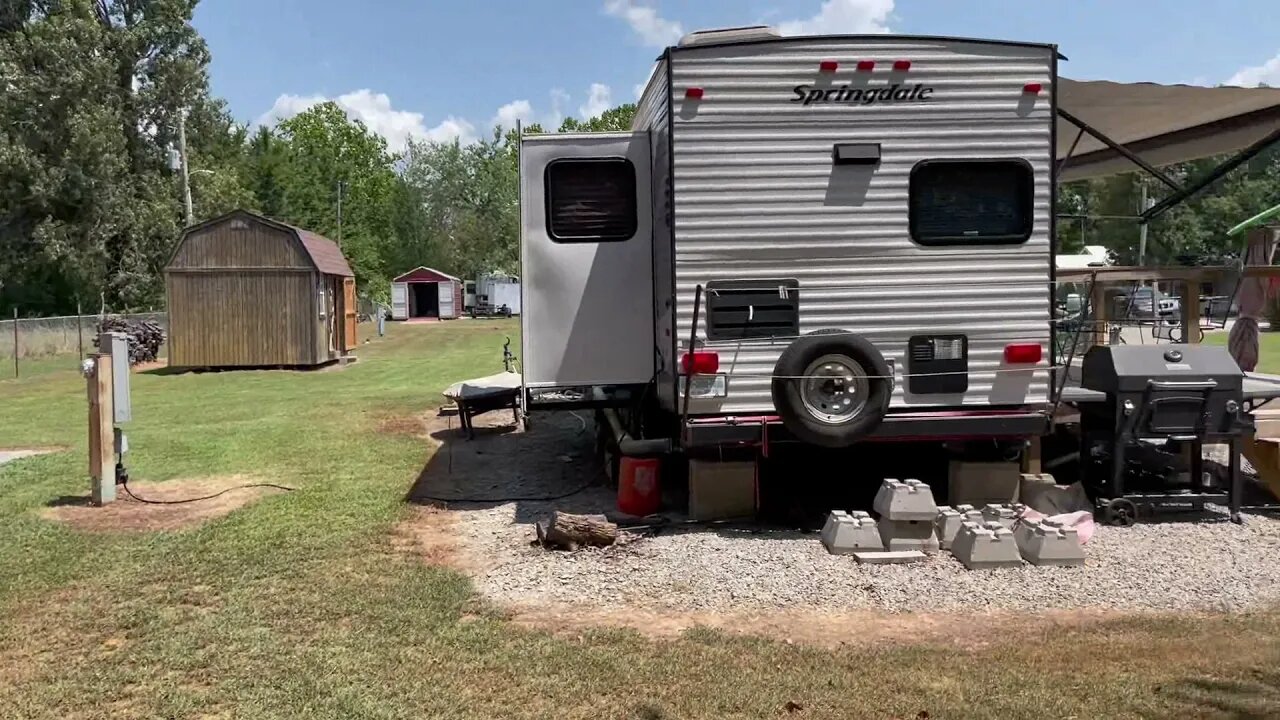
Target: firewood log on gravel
x,y
563,531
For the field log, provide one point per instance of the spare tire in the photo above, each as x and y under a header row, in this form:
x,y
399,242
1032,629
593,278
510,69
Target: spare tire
x,y
832,388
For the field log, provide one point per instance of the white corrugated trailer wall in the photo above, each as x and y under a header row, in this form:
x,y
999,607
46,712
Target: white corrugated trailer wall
x,y
754,198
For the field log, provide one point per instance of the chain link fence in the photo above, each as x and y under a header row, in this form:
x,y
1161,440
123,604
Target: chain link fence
x,y
44,341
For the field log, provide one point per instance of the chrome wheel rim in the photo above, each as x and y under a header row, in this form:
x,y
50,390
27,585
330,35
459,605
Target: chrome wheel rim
x,y
835,389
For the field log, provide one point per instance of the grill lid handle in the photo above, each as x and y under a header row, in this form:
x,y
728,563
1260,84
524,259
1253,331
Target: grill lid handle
x,y
1182,384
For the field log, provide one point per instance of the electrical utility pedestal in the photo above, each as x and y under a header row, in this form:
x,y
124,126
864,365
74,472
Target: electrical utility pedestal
x,y
109,405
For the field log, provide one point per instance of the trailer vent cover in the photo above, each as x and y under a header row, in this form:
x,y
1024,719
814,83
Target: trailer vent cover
x,y
721,36
764,308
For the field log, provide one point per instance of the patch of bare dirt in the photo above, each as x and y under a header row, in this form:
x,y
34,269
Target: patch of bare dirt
x,y
38,449
415,426
428,533
128,514
157,364
825,628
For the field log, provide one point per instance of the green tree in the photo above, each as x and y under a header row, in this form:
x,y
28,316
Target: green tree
x,y
611,120
88,206
267,161
329,162
1193,232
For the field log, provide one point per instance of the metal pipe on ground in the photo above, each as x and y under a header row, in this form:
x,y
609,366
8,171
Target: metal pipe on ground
x,y
627,445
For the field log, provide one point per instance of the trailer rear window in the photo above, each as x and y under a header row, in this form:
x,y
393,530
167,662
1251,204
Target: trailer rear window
x,y
591,200
969,202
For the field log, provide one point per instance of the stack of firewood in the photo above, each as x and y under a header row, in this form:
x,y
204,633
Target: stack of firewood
x,y
145,337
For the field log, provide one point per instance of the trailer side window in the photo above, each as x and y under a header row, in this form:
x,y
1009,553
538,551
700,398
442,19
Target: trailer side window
x,y
971,202
591,200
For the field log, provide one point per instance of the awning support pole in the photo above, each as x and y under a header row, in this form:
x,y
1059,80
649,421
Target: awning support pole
x,y
1155,172
1062,164
1239,159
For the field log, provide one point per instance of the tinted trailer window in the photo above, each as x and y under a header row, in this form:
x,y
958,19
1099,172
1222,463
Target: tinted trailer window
x,y
591,200
965,202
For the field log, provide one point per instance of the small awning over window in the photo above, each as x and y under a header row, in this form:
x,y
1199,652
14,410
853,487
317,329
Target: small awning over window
x,y
1163,124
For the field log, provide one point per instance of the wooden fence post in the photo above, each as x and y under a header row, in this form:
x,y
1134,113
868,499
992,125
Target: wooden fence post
x,y
15,342
102,450
79,330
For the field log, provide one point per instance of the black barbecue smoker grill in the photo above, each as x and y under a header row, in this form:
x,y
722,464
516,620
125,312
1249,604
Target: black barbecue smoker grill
x,y
1184,395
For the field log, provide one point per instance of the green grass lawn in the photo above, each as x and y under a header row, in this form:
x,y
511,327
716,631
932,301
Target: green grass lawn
x,y
1268,349
298,606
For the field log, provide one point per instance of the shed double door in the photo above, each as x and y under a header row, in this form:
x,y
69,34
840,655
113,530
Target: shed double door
x,y
444,292
399,301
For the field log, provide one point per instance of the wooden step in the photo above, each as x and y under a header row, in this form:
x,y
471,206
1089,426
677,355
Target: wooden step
x,y
1264,454
1267,422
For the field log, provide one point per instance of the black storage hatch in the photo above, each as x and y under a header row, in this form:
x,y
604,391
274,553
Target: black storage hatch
x,y
738,309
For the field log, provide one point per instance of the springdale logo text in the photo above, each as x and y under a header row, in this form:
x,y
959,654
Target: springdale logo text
x,y
895,93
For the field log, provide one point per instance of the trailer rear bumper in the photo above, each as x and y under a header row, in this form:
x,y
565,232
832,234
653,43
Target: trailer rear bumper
x,y
702,432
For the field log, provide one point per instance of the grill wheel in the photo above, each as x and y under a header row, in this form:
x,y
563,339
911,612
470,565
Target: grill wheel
x,y
1120,512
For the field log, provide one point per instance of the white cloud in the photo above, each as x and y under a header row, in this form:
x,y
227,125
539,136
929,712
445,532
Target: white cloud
x,y
376,112
286,106
515,111
1268,72
450,129
599,99
843,16
652,28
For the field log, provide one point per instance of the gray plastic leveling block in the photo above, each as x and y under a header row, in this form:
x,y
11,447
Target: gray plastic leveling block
x,y
986,546
905,500
844,533
1006,515
908,535
1044,542
949,520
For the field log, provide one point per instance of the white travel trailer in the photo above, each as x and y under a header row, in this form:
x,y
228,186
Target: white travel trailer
x,y
824,239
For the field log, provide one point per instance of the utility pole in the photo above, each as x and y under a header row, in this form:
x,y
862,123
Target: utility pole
x,y
341,184
182,159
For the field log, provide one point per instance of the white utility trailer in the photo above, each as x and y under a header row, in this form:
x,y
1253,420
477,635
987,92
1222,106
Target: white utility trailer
x,y
497,293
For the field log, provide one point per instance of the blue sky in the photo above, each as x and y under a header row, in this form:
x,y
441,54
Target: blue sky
x,y
440,69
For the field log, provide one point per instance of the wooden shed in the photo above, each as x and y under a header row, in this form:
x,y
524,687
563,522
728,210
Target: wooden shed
x,y
426,293
247,291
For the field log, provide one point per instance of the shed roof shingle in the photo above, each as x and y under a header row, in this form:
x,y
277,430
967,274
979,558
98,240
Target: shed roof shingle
x,y
325,253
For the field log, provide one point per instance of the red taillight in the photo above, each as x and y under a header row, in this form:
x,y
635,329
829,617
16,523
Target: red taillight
x,y
1032,88
1023,353
828,66
866,65
700,363
693,93
902,65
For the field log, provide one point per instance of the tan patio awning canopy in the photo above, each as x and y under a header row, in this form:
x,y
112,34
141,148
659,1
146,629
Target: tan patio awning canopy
x,y
1162,124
